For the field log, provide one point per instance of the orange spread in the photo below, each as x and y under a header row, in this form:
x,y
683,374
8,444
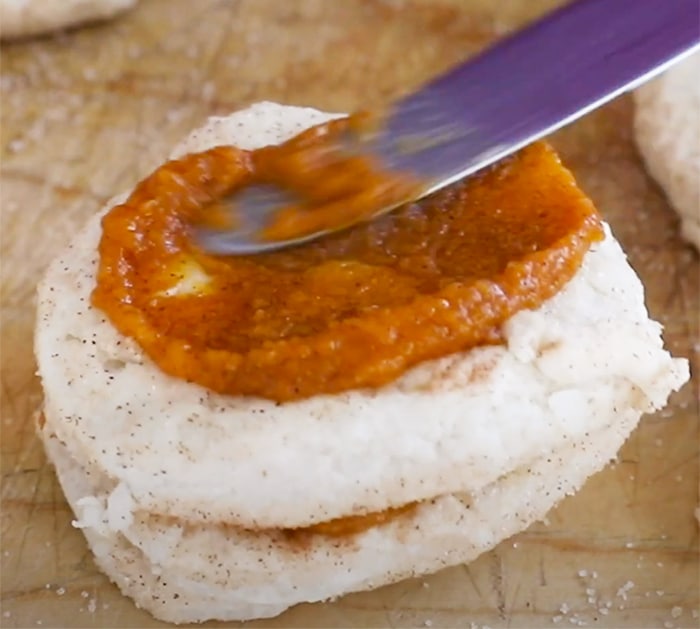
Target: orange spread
x,y
337,185
350,525
352,310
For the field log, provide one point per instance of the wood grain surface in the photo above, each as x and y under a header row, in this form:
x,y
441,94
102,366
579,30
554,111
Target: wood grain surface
x,y
85,114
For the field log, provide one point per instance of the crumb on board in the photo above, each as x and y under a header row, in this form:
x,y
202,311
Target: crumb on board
x,y
622,592
600,604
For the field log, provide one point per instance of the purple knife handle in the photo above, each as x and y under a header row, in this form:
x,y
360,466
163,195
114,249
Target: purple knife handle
x,y
538,79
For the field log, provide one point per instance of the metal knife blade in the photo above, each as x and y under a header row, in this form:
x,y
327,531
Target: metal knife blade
x,y
534,82
524,87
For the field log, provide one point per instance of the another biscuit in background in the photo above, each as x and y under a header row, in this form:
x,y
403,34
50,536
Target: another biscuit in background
x,y
667,130
25,18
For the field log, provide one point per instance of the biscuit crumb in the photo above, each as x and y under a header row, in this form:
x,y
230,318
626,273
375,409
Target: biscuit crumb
x,y
622,592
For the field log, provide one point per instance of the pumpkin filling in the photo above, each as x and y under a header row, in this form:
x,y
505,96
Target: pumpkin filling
x,y
351,310
351,525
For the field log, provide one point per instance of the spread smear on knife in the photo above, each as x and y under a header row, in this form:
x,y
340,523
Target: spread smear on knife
x,y
187,496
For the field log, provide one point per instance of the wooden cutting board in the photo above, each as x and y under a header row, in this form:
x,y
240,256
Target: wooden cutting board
x,y
85,114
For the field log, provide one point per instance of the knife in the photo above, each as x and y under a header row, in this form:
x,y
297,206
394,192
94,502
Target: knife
x,y
524,87
534,82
